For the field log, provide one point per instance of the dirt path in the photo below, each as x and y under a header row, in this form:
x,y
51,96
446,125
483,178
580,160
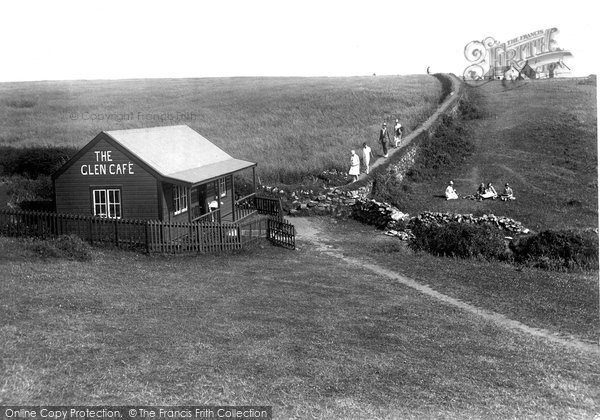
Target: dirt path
x,y
425,126
308,231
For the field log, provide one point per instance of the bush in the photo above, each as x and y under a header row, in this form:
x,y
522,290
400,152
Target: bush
x,y
461,240
33,161
438,155
468,111
70,247
21,190
386,187
558,250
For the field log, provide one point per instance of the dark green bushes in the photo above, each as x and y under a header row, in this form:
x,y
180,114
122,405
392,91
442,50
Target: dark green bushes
x,y
550,250
462,240
441,153
33,161
558,250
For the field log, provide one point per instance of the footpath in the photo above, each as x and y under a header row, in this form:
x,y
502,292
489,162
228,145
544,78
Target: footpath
x,y
450,101
309,232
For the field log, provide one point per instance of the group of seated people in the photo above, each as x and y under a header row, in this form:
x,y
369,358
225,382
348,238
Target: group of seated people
x,y
482,193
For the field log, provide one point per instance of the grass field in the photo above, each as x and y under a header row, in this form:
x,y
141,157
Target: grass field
x,y
564,303
293,127
323,338
301,330
541,137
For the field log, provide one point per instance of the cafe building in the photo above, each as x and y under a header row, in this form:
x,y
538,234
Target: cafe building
x,y
167,173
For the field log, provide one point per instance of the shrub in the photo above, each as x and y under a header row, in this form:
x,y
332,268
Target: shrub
x,y
461,240
468,111
558,250
441,153
33,161
386,187
20,103
21,189
70,247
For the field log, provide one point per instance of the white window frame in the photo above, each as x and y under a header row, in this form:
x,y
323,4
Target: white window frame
x,y
223,186
180,199
107,202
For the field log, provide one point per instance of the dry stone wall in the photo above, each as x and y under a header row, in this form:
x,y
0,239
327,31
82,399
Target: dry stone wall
x,y
500,222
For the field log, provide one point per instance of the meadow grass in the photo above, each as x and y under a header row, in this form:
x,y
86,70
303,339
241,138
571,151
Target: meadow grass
x,y
292,127
541,137
297,330
562,302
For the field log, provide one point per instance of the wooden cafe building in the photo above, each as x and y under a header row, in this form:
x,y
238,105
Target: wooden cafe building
x,y
169,173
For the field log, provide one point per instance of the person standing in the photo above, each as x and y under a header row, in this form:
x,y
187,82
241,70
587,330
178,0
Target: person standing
x,y
397,133
384,138
367,154
354,166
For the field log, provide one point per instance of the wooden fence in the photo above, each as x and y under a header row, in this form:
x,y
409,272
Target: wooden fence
x,y
148,235
252,204
282,233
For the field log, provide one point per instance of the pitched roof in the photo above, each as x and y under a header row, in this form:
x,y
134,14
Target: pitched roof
x,y
178,152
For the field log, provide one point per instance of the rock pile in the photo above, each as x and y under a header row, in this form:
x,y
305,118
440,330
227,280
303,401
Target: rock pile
x,y
322,201
500,222
381,215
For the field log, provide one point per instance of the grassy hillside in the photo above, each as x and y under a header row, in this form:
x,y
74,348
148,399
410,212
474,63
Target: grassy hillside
x,y
290,126
298,330
541,137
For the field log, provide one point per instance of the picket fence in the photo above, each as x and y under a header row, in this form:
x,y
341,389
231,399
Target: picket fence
x,y
149,235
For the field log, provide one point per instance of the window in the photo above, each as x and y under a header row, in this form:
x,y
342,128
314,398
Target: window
x,y
180,199
223,187
107,202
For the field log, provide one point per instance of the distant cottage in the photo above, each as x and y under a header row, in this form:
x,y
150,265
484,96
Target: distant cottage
x,y
161,173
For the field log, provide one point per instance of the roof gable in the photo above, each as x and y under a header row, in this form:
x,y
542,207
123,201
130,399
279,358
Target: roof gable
x,y
170,149
176,153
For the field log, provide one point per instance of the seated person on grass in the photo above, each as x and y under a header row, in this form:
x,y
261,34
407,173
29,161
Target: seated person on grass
x,y
480,191
490,192
507,194
451,192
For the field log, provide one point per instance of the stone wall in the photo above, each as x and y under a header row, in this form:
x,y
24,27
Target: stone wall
x,y
501,222
381,215
353,199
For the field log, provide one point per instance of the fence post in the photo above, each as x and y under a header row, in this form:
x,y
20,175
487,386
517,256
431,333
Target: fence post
x,y
91,231
116,233
146,235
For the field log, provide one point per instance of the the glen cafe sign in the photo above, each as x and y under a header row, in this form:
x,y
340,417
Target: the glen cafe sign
x,y
105,165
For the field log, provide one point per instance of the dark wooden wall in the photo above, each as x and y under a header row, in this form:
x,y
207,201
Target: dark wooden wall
x,y
139,192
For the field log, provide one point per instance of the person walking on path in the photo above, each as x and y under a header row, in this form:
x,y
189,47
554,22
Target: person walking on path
x,y
354,166
384,138
367,155
397,133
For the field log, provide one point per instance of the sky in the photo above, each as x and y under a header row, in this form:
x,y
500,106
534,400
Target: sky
x,y
64,40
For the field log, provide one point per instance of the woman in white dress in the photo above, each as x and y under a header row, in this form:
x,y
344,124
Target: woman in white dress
x,y
451,192
490,192
367,155
354,166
